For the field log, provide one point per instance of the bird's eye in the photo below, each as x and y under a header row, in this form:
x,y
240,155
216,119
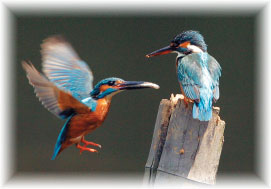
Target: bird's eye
x,y
173,44
110,83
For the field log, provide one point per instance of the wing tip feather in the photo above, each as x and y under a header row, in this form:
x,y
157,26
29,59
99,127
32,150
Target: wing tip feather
x,y
53,40
27,65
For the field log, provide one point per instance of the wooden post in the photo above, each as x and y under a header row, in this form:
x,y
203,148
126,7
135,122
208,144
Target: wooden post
x,y
183,146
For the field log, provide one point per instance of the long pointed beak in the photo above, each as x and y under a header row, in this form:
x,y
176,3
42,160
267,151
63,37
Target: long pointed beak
x,y
165,50
128,85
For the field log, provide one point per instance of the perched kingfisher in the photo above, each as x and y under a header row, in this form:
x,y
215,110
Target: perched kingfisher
x,y
198,72
66,91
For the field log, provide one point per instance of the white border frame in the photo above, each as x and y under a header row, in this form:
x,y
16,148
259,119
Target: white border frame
x,y
261,177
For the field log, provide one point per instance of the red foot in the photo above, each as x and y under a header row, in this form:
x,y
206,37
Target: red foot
x,y
83,148
89,143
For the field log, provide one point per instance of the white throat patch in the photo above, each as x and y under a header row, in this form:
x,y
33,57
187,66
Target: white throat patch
x,y
194,49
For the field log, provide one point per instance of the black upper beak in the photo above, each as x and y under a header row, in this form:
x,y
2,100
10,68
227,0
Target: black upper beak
x,y
165,50
128,85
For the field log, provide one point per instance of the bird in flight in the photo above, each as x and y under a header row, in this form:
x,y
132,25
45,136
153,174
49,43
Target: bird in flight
x,y
66,90
198,72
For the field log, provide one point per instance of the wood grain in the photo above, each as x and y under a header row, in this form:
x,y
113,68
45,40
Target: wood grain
x,y
183,146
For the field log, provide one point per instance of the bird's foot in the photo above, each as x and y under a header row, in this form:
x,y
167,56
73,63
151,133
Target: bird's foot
x,y
84,148
89,143
186,102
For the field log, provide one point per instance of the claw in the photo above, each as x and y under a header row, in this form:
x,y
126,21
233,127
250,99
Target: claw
x,y
185,102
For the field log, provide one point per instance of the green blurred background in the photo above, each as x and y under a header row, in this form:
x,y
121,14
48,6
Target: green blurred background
x,y
116,45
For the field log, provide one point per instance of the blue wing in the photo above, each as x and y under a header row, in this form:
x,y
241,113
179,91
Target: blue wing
x,y
64,68
190,74
215,72
59,102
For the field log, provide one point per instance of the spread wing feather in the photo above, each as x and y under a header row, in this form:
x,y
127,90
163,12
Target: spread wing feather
x,y
63,67
59,102
45,90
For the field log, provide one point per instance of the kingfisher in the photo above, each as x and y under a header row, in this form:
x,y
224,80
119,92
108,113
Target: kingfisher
x,y
198,72
66,90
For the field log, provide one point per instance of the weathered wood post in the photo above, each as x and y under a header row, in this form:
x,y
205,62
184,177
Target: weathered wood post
x,y
183,148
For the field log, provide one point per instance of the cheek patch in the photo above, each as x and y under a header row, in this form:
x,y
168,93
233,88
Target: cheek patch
x,y
185,44
103,88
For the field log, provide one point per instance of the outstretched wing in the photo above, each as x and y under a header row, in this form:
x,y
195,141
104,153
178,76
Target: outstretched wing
x,y
57,101
215,72
64,68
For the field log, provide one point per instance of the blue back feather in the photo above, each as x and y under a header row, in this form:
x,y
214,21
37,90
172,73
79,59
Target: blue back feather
x,y
90,102
199,73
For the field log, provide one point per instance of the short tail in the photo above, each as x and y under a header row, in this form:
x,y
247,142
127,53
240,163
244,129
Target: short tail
x,y
61,138
56,152
203,110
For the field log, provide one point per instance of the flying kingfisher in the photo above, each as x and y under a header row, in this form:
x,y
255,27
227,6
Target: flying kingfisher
x,y
66,91
198,72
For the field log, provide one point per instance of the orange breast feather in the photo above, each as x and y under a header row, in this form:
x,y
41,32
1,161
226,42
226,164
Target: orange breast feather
x,y
85,122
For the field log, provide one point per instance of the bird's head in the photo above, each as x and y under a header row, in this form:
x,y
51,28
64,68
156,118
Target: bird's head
x,y
183,44
111,86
